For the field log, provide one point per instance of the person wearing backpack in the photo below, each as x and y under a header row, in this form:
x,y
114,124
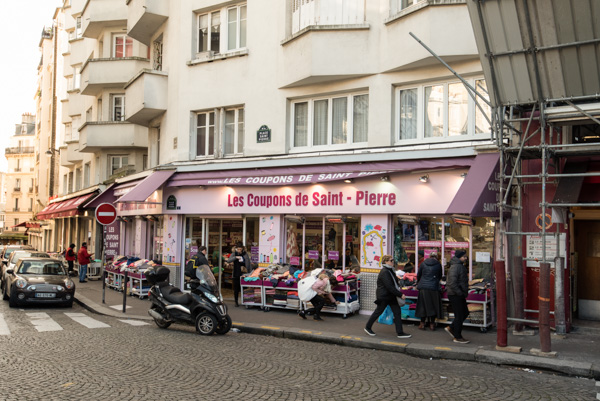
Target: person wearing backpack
x,y
387,293
70,257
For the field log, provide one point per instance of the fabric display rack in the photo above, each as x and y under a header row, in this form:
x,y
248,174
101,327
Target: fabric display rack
x,y
273,288
478,302
94,270
136,280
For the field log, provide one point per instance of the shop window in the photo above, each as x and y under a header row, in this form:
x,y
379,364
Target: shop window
x,y
338,121
157,239
483,239
441,111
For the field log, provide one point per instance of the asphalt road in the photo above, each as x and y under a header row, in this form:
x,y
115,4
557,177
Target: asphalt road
x,y
59,354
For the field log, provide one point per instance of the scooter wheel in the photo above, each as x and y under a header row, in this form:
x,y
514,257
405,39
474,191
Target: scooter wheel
x,y
206,324
224,327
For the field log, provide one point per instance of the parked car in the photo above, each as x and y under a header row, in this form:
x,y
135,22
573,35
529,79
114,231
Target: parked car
x,y
11,248
14,258
38,280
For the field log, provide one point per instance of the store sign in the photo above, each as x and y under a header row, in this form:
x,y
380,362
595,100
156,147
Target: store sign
x,y
313,255
263,134
333,255
368,195
112,240
172,202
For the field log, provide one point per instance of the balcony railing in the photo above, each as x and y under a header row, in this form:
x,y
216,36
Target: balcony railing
x,y
17,189
19,150
30,189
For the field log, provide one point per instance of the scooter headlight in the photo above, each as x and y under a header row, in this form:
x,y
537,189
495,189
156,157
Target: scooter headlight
x,y
211,297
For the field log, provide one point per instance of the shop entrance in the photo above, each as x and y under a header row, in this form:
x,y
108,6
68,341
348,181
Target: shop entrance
x,y
220,235
587,277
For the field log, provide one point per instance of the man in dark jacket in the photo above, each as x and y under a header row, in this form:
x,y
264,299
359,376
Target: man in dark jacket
x,y
457,287
386,294
70,256
240,259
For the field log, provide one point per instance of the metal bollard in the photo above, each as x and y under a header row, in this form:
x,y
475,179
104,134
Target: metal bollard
x,y
125,279
104,278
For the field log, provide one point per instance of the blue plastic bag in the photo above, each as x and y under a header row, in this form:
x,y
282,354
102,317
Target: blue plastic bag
x,y
387,317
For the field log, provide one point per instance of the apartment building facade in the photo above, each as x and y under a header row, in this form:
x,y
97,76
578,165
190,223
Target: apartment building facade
x,y
20,181
318,122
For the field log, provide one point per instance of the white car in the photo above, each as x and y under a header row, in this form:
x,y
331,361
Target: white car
x,y
14,257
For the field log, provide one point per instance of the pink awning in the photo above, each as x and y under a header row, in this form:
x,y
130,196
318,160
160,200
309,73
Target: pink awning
x,y
281,176
147,186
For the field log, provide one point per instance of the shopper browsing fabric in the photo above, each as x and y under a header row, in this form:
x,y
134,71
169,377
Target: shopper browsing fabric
x,y
322,288
84,260
429,302
387,293
457,287
240,259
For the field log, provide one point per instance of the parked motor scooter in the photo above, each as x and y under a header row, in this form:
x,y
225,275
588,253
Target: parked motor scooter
x,y
203,307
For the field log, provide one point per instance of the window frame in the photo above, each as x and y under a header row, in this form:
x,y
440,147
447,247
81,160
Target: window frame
x,y
310,126
127,43
112,170
224,25
421,105
113,106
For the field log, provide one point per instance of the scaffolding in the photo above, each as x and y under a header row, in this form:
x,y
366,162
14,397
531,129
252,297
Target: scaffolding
x,y
540,60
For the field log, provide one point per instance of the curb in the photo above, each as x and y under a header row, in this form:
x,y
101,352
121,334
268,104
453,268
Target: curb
x,y
571,368
103,310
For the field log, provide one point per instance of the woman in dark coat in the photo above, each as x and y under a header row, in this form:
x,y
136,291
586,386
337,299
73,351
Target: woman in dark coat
x,y
429,303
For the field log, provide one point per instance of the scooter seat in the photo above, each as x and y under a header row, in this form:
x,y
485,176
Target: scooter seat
x,y
174,295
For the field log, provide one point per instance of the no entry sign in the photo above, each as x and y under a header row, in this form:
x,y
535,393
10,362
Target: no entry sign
x,y
106,214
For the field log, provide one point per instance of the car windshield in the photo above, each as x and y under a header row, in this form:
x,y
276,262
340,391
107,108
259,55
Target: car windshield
x,y
16,256
42,268
206,276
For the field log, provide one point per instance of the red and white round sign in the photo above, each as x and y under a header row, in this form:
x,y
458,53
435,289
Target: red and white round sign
x,y
106,214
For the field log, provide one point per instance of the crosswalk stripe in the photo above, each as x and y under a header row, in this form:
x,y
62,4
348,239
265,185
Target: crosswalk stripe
x,y
42,322
4,330
134,322
86,321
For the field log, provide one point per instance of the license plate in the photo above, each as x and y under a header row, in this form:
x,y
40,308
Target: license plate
x,y
45,295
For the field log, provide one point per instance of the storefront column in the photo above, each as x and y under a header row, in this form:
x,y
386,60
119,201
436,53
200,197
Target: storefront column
x,y
174,244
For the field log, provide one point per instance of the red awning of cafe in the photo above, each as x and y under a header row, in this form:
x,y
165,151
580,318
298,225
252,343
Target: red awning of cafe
x,y
64,208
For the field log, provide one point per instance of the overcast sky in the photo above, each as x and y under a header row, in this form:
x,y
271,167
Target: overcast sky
x,y
21,29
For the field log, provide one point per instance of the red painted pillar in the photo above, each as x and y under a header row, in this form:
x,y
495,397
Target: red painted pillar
x,y
501,336
544,307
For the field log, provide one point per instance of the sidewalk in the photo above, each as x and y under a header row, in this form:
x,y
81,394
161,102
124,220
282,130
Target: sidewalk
x,y
578,354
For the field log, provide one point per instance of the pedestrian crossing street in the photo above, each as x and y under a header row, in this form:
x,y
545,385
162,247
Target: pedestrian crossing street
x,y
43,322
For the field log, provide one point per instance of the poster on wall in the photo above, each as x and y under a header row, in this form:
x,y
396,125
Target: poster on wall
x,y
373,240
268,245
112,240
535,249
170,246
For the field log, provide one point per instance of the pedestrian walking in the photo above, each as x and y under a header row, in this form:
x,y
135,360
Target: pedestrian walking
x,y
457,287
240,259
70,258
83,258
429,302
387,294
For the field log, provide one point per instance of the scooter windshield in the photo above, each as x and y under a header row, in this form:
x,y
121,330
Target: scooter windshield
x,y
206,276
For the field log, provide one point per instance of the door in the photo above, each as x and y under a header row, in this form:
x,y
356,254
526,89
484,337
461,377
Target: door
x,y
587,244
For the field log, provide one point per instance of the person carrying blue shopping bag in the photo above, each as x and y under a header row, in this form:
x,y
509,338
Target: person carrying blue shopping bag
x,y
387,294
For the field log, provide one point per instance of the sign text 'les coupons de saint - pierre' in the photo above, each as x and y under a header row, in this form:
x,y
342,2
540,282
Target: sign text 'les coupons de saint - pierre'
x,y
315,198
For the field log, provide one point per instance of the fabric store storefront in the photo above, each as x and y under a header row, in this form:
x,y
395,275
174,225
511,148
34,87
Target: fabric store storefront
x,y
337,215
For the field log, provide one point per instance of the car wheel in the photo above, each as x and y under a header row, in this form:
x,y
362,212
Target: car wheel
x,y
206,324
4,294
224,326
12,300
